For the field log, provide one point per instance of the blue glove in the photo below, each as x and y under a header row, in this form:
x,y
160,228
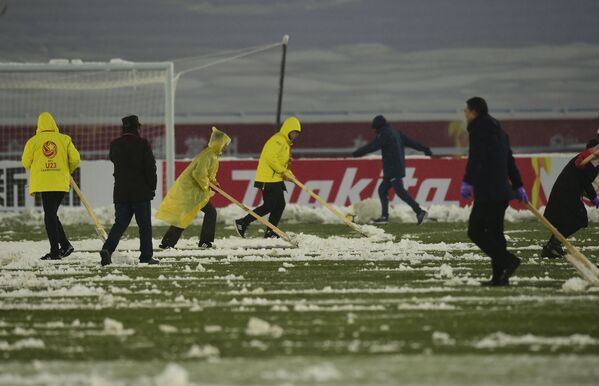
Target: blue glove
x,y
521,194
596,201
466,190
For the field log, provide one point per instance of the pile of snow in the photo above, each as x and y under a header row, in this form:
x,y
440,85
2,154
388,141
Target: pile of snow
x,y
364,211
575,284
259,327
173,375
442,339
114,327
203,352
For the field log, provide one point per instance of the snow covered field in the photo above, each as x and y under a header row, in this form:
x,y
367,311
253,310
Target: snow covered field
x,y
402,307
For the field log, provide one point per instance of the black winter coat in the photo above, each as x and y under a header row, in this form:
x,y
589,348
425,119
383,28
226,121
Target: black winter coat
x,y
491,166
134,169
565,209
392,144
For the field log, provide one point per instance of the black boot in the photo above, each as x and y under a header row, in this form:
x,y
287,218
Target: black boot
x,y
51,256
241,227
66,250
497,272
270,234
553,249
171,237
106,257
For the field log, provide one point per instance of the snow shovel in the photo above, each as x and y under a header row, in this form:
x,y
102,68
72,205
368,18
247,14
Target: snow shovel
x,y
585,268
99,229
264,221
343,218
589,158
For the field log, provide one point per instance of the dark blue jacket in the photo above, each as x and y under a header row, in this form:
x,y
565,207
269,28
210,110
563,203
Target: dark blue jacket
x,y
491,166
392,144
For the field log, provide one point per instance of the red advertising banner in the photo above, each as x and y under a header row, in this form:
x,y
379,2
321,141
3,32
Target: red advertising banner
x,y
346,181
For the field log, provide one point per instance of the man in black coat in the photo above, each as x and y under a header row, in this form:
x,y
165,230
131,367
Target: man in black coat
x,y
134,189
392,143
565,209
490,165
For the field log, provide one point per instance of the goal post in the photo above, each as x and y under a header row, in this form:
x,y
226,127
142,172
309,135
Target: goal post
x,y
88,101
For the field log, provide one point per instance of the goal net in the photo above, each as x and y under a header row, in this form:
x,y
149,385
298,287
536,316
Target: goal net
x,y
88,101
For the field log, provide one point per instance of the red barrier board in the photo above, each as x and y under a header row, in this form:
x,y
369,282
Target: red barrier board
x,y
346,181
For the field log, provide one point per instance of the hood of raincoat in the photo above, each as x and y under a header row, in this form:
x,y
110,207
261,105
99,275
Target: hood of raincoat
x,y
46,122
218,140
289,125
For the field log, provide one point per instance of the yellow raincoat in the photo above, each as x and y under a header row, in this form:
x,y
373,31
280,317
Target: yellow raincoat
x,y
50,156
191,191
274,159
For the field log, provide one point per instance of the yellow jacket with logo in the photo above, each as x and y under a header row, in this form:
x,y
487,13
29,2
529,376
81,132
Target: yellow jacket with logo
x,y
50,157
275,156
191,191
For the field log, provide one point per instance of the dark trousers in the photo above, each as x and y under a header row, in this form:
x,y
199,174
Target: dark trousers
x,y
173,234
400,191
274,203
124,211
50,202
485,229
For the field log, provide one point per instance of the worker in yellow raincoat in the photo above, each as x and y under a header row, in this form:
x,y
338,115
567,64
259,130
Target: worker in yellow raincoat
x,y
273,168
50,158
191,193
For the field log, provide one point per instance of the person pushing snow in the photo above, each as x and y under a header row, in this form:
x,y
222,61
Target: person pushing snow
x,y
191,193
565,209
273,168
51,157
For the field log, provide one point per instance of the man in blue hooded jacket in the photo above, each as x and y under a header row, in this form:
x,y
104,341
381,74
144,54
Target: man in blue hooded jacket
x,y
392,143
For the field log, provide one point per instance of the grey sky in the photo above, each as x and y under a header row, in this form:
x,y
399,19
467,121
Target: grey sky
x,y
334,44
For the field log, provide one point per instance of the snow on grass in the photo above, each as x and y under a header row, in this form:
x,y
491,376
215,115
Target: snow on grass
x,y
500,339
22,344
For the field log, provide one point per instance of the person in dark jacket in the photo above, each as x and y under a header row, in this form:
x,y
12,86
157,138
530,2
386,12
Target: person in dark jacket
x,y
134,188
565,209
392,144
490,166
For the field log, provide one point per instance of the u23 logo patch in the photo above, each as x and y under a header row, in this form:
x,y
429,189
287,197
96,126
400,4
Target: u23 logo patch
x,y
49,149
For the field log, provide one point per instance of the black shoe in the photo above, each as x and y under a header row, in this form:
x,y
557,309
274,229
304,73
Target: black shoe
x,y
205,245
149,261
421,216
65,251
106,257
383,220
495,283
240,227
164,245
270,234
549,252
509,270
50,256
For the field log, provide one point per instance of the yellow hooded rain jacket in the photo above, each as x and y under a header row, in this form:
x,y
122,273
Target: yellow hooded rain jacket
x,y
275,156
191,191
50,157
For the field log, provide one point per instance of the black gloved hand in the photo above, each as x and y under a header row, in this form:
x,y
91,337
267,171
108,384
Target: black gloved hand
x,y
428,152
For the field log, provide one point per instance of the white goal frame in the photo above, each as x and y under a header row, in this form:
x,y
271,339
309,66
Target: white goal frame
x,y
115,65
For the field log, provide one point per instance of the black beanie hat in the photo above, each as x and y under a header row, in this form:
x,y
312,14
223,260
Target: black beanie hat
x,y
378,122
131,123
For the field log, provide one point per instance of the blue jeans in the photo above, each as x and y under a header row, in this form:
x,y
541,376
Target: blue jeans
x,y
124,211
400,191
